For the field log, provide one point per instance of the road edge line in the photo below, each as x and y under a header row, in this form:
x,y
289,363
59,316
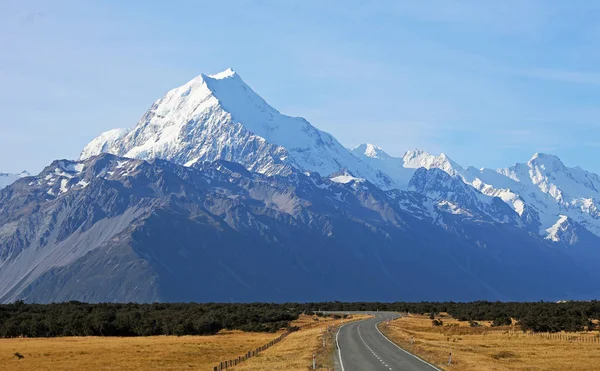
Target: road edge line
x,y
397,346
338,344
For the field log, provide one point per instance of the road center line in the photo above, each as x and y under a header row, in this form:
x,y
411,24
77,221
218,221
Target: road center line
x,y
364,342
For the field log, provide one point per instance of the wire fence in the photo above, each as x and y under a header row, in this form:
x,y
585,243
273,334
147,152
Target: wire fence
x,y
559,336
224,365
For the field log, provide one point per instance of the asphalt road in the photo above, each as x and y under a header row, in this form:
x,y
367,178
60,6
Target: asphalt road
x,y
363,348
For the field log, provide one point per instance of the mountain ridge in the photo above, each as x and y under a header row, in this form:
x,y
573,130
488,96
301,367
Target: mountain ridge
x,y
216,196
118,229
540,190
219,116
7,179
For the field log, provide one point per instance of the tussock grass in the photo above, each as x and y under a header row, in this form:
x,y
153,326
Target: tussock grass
x,y
296,351
487,349
504,354
168,352
132,353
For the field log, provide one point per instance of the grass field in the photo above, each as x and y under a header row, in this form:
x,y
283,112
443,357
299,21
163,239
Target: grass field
x,y
295,353
134,353
162,352
486,349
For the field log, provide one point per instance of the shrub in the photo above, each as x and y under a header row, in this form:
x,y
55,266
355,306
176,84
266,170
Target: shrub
x,y
437,322
474,324
504,354
502,321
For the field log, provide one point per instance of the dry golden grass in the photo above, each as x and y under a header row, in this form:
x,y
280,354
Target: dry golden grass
x,y
296,351
485,349
165,352
138,353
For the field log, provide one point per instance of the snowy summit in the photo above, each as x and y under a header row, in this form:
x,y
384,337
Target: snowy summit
x,y
219,117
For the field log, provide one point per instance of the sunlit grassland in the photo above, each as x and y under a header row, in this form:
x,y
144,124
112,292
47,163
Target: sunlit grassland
x,y
486,348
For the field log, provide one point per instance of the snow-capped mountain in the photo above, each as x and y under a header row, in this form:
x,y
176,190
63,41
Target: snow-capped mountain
x,y
121,229
8,179
219,117
550,198
214,185
401,169
449,195
546,191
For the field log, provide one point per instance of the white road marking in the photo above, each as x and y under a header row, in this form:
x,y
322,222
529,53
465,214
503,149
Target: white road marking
x,y
339,347
364,342
410,354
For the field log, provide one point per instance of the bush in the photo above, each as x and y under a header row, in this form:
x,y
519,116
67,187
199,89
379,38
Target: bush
x,y
437,322
502,321
474,324
504,355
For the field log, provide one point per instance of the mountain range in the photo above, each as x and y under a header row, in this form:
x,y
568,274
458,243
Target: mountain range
x,y
216,196
7,179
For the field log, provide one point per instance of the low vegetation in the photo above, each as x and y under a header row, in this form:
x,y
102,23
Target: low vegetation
x,y
487,346
569,316
127,353
296,352
81,319
174,352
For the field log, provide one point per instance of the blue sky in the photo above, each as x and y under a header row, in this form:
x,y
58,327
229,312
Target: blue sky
x,y
488,83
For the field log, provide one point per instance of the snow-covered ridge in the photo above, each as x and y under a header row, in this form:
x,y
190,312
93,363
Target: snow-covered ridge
x,y
219,117
401,169
549,189
8,179
543,191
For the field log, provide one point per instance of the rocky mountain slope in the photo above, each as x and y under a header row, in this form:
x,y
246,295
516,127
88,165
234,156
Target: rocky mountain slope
x,y
551,199
216,196
8,179
118,229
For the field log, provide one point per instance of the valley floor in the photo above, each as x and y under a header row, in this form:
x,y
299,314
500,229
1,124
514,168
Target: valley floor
x,y
487,349
170,352
132,353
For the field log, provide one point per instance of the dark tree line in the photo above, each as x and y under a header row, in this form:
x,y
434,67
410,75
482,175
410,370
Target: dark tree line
x,y
82,319
538,316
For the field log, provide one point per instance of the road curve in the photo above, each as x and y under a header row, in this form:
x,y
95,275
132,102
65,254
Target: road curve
x,y
362,347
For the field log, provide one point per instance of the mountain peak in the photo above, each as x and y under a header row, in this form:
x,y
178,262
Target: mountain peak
x,y
546,161
220,117
370,150
228,73
417,158
413,153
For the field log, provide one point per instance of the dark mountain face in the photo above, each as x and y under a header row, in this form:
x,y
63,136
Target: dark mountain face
x,y
116,229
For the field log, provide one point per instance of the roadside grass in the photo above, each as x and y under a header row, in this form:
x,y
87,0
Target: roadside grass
x,y
486,349
167,352
296,351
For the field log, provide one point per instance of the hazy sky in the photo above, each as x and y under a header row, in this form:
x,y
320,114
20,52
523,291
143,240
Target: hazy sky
x,y
487,82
